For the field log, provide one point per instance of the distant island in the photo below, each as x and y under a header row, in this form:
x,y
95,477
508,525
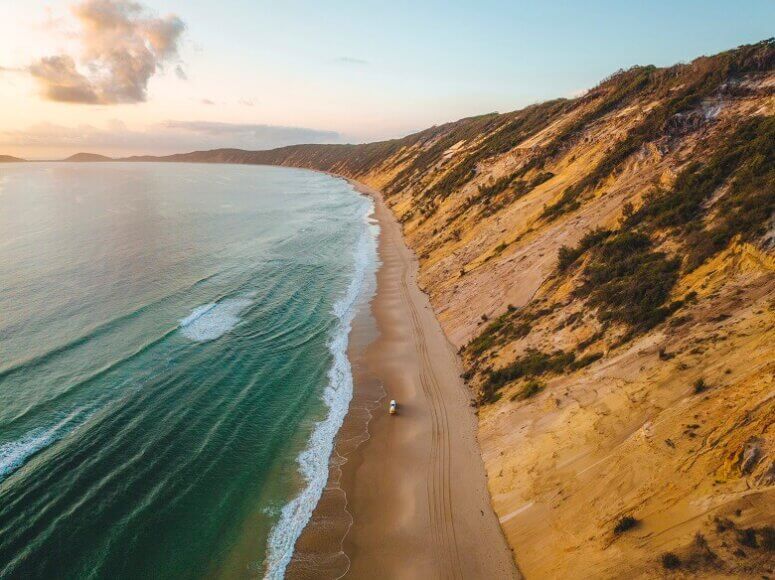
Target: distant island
x,y
87,157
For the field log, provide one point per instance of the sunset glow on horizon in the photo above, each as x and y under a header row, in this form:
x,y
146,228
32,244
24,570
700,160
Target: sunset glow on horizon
x,y
119,77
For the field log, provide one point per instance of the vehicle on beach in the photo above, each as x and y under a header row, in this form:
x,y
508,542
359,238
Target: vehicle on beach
x,y
393,407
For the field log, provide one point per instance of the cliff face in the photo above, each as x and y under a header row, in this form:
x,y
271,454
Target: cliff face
x,y
605,265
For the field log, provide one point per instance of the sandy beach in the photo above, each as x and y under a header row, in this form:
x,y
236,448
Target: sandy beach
x,y
409,496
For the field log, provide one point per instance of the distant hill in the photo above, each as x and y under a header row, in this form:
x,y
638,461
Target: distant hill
x,y
10,159
81,157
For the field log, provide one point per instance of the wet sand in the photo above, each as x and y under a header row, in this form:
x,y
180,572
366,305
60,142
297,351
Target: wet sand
x,y
407,494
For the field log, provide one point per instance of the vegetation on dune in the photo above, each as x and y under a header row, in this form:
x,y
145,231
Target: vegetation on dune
x,y
745,163
624,524
532,364
624,276
531,388
440,142
509,326
625,279
767,538
504,133
670,561
678,89
512,185
629,282
567,256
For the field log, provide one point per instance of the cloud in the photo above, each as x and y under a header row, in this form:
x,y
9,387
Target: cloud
x,y
207,102
351,60
62,82
48,140
122,48
261,136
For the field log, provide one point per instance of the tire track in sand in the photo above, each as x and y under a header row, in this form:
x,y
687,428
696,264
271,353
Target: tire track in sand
x,y
440,476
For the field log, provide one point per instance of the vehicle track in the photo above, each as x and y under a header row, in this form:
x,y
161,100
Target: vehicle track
x,y
439,481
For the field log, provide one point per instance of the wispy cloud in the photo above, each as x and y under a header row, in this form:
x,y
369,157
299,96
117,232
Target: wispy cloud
x,y
122,48
351,61
261,136
207,102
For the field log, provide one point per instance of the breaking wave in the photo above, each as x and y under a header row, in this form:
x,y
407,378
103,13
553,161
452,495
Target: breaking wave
x,y
211,321
313,461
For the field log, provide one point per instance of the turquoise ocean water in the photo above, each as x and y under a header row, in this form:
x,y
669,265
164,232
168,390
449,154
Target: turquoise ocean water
x,y
173,363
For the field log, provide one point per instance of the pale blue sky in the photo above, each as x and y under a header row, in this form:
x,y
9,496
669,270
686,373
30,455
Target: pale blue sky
x,y
370,70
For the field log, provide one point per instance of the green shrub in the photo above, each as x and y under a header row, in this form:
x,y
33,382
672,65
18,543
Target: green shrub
x,y
747,537
532,364
681,89
670,561
586,360
501,133
624,524
508,326
568,202
481,344
746,160
540,178
628,282
531,388
566,256
767,534
699,386
494,187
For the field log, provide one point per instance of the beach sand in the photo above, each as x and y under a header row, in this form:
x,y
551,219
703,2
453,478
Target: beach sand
x,y
408,497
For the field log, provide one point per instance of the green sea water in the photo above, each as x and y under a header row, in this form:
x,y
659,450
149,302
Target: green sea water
x,y
172,363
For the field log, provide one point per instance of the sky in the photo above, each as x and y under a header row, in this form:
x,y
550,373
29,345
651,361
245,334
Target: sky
x,y
123,77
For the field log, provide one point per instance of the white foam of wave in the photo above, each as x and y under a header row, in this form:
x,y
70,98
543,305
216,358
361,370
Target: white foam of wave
x,y
209,321
14,454
313,461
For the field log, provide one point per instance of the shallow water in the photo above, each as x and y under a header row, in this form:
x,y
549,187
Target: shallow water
x,y
172,363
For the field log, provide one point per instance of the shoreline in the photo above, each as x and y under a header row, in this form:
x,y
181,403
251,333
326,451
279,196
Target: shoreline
x,y
413,484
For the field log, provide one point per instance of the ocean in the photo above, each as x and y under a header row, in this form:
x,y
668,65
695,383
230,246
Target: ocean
x,y
173,365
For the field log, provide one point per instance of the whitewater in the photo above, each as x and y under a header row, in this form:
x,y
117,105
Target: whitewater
x,y
173,369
